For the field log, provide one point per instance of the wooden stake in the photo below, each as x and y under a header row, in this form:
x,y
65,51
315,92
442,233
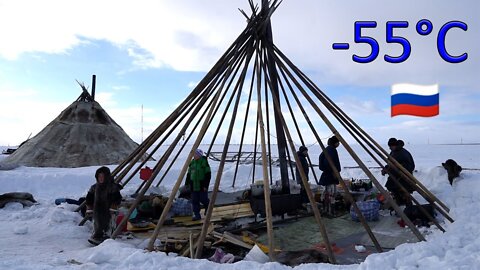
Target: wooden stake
x,y
324,98
181,175
354,156
334,169
266,186
309,192
206,222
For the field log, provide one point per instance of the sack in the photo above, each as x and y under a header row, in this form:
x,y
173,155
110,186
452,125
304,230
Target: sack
x,y
417,216
369,209
146,173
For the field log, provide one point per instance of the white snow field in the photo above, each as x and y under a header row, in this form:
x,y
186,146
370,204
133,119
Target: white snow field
x,y
46,236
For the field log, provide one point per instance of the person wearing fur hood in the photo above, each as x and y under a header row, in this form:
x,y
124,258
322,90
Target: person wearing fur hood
x,y
102,199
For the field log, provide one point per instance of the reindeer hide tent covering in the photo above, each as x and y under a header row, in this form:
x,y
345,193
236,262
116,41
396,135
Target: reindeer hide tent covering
x,y
82,135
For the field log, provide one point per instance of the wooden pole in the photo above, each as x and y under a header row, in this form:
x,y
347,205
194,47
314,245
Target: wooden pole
x,y
215,72
175,188
395,180
325,98
290,165
141,150
170,149
266,186
421,191
297,127
309,192
267,39
243,130
187,139
206,222
334,169
267,113
222,118
155,149
336,173
354,156
236,66
255,150
94,82
208,86
187,162
402,187
156,171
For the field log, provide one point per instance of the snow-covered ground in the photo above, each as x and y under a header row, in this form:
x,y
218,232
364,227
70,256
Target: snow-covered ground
x,y
46,236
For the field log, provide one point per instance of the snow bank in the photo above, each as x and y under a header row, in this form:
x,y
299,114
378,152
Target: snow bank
x,y
46,236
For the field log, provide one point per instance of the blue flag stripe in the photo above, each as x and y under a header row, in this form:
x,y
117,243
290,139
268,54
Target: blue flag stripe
x,y
415,99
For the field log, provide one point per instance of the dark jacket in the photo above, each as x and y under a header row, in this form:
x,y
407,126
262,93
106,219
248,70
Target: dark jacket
x,y
327,177
303,161
199,174
103,196
402,156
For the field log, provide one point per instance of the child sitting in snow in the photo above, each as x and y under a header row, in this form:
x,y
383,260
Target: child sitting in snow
x,y
102,201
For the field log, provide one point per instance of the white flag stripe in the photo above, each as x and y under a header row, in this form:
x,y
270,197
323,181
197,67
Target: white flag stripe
x,y
423,90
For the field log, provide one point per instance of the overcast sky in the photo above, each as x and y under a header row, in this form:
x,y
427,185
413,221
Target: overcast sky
x,y
152,53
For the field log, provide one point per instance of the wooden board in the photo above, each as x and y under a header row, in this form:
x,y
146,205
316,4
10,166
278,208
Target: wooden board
x,y
234,211
132,228
220,213
171,232
186,221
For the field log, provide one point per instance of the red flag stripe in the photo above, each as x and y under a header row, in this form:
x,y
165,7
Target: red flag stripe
x,y
424,111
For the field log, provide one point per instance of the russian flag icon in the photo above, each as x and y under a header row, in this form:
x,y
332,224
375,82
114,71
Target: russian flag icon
x,y
415,100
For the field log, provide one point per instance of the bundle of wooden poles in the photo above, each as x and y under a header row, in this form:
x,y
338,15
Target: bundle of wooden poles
x,y
253,62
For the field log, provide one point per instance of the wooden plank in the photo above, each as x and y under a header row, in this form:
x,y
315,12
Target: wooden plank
x,y
177,233
219,214
233,213
231,206
232,239
245,206
132,228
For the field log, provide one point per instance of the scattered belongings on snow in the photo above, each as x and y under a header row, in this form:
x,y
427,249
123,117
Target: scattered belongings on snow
x,y
236,235
238,227
26,199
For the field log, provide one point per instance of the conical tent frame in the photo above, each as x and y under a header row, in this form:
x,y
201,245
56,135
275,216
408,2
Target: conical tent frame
x,y
272,80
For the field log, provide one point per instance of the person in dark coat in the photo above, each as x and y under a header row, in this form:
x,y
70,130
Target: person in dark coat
x,y
102,200
198,179
328,178
410,163
302,156
402,156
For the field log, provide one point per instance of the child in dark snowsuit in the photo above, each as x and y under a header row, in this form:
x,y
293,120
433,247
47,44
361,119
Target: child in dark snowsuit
x,y
103,198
